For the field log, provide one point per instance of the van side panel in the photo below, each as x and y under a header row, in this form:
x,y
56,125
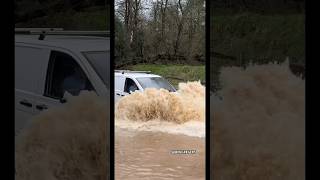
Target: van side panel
x,y
118,87
27,74
119,83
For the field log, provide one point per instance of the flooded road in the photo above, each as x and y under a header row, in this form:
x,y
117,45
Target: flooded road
x,y
151,127
258,124
66,142
150,155
72,142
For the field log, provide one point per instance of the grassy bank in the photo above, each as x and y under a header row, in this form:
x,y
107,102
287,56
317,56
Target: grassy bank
x,y
255,38
174,73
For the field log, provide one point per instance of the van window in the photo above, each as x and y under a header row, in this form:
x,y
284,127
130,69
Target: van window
x,y
155,82
65,75
130,86
30,63
99,60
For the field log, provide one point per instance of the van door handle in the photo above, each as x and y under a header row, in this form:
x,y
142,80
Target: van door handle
x,y
26,103
41,107
118,94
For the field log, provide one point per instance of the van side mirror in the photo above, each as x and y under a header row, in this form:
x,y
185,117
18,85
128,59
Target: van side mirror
x,y
65,97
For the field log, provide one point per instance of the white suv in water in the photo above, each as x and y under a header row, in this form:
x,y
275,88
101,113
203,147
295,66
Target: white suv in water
x,y
48,66
127,82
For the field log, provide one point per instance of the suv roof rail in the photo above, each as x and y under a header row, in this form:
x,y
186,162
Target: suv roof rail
x,y
129,71
42,32
27,30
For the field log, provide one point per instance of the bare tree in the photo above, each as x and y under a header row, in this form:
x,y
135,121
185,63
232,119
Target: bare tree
x,y
181,17
163,8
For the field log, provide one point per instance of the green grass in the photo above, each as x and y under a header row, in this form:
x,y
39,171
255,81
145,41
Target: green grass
x,y
170,72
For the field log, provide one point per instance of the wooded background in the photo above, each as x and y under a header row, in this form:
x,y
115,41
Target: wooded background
x,y
159,31
258,6
67,14
173,31
244,32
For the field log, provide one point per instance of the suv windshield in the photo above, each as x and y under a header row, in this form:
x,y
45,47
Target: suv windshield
x,y
99,62
155,82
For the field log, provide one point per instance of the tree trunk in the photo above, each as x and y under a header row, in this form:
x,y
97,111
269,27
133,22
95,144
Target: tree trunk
x,y
180,28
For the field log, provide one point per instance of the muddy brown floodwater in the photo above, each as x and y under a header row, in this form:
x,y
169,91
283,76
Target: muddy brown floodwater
x,y
258,124
152,126
148,155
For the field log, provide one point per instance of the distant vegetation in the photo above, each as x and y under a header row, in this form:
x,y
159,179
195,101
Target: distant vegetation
x,y
159,32
241,32
224,7
67,14
255,32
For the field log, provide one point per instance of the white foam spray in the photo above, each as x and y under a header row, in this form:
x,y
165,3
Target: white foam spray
x,y
156,110
257,129
68,142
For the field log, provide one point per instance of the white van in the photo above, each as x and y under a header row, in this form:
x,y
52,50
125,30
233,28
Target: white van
x,y
127,82
47,67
